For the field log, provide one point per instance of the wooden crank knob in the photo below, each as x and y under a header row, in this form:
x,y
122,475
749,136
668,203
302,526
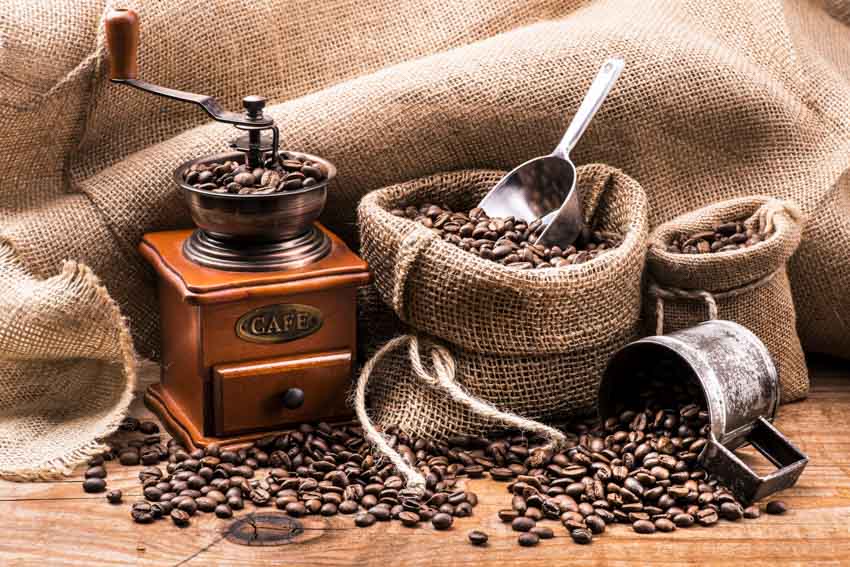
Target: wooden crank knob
x,y
122,42
293,398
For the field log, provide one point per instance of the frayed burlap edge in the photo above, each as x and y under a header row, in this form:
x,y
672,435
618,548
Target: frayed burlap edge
x,y
81,279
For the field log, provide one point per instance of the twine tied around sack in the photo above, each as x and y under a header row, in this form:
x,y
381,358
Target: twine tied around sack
x,y
411,247
709,298
765,216
442,379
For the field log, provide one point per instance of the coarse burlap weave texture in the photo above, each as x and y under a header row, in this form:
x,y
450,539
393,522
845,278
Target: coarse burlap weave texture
x,y
720,98
749,286
531,342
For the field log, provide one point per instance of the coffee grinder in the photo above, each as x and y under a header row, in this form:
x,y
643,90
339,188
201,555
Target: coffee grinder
x,y
258,304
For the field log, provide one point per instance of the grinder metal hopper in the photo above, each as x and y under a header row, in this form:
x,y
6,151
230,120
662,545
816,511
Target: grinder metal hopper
x,y
237,232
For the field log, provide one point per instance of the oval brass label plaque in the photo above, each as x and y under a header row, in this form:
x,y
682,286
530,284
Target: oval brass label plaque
x,y
279,323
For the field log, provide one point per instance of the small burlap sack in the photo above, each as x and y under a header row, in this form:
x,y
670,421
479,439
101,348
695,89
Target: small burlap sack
x,y
502,346
749,286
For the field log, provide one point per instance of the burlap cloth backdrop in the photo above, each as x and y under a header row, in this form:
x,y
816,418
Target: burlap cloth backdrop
x,y
719,99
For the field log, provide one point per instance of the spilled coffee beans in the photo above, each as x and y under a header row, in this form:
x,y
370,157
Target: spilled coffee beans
x,y
722,238
292,172
508,241
639,468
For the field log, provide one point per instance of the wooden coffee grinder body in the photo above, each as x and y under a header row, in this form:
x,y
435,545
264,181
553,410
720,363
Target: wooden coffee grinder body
x,y
246,353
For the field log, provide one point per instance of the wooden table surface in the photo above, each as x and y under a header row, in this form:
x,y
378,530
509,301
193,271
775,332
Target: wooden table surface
x,y
55,523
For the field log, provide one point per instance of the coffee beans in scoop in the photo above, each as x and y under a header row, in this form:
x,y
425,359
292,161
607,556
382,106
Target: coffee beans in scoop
x,y
292,172
507,240
725,237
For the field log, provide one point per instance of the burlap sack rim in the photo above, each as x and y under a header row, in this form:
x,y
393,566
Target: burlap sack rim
x,y
82,277
783,242
540,279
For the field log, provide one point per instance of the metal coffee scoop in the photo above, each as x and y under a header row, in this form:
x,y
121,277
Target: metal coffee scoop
x,y
740,387
547,183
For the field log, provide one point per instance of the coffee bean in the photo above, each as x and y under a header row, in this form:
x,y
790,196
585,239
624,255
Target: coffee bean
x,y
643,527
205,504
528,539
179,517
776,507
683,520
152,493
664,525
188,505
522,524
477,537
128,458
364,520
442,521
114,496
731,511
501,474
223,511
148,427
94,485
543,532
348,507
508,515
707,517
581,536
752,512
142,513
96,472
409,519
595,524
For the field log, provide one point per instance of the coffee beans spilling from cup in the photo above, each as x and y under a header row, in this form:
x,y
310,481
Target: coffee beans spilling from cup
x,y
292,172
639,468
508,241
722,238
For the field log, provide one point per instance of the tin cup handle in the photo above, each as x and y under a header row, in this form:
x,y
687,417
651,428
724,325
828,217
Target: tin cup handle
x,y
747,485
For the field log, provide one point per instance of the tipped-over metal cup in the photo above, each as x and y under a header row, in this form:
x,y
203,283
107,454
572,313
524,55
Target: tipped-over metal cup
x,y
741,389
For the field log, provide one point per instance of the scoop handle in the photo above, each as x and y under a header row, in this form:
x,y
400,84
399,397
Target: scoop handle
x,y
599,89
122,42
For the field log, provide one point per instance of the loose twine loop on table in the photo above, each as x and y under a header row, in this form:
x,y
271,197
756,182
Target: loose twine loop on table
x,y
765,218
443,380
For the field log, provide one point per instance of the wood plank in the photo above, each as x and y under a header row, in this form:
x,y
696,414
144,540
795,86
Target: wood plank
x,y
55,523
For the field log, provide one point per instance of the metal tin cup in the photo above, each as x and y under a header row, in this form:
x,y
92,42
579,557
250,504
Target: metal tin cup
x,y
740,386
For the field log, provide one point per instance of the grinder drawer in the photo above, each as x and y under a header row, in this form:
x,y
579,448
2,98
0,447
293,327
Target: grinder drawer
x,y
275,392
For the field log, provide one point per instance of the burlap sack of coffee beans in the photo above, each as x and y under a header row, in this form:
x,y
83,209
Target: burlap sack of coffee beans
x,y
530,342
749,286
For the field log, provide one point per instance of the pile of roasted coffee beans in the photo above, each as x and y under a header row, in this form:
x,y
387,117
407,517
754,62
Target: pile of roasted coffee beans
x,y
508,241
290,173
722,238
639,468
313,470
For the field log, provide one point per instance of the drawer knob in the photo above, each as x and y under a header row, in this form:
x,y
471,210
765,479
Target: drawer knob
x,y
293,398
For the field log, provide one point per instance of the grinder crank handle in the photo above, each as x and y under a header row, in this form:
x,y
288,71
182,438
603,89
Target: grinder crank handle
x,y
122,41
